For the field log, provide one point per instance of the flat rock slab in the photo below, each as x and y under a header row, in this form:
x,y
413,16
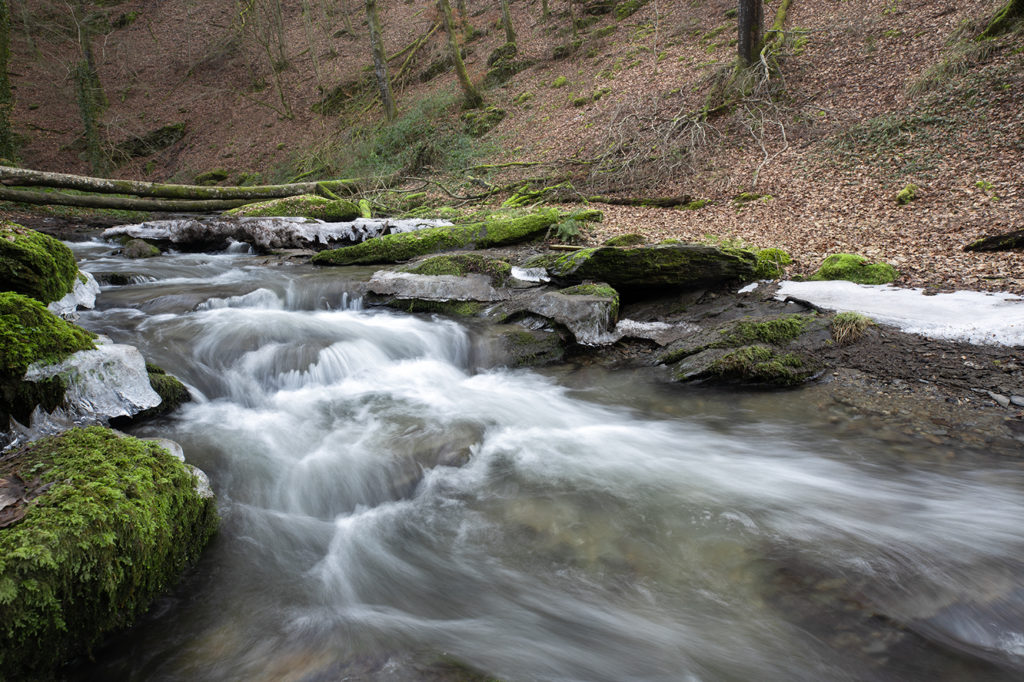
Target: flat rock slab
x,y
405,285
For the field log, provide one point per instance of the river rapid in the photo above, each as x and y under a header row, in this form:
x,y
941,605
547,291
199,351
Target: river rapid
x,y
396,507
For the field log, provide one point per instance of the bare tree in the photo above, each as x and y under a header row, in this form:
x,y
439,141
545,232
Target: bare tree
x,y
472,96
510,35
750,18
6,100
380,62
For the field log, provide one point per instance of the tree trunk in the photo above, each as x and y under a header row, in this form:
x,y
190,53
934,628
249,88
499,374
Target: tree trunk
x,y
120,203
749,18
510,35
463,14
1004,19
473,98
380,64
27,177
7,150
89,94
544,11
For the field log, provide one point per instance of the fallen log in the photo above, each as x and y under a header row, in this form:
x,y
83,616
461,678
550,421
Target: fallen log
x,y
33,178
121,203
658,202
998,242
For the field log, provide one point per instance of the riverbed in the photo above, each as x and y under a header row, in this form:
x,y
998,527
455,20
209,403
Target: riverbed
x,y
397,506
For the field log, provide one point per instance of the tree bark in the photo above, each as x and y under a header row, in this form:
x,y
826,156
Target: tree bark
x,y
27,177
472,96
510,35
7,150
749,18
380,64
89,93
121,203
999,242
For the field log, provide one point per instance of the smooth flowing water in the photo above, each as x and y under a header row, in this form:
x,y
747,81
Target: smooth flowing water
x,y
391,503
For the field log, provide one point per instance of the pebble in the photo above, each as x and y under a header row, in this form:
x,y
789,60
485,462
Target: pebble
x,y
1017,400
1001,399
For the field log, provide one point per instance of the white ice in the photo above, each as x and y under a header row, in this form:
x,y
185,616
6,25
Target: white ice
x,y
83,295
972,316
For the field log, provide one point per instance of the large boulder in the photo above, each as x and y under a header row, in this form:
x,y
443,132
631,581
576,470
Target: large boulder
x,y
93,527
656,267
35,264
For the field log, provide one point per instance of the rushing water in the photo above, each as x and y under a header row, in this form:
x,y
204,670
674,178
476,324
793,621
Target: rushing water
x,y
391,503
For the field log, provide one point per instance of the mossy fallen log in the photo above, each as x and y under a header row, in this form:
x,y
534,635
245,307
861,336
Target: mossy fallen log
x,y
99,527
33,178
999,242
118,202
393,248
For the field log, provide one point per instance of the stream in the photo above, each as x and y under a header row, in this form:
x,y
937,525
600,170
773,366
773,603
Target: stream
x,y
395,507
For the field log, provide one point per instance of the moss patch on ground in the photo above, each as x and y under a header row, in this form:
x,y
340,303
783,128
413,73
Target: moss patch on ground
x,y
35,264
777,331
760,364
855,268
771,263
461,264
302,206
626,240
112,523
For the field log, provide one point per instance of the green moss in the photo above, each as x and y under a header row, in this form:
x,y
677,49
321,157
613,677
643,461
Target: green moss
x,y
744,198
120,523
771,263
460,264
31,333
907,194
777,331
523,98
304,206
695,205
172,393
560,82
855,268
626,240
451,308
393,248
628,8
759,364
35,264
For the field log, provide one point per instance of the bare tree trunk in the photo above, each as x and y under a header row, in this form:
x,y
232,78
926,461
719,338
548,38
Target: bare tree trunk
x,y
510,35
380,62
89,94
7,150
749,17
33,178
473,98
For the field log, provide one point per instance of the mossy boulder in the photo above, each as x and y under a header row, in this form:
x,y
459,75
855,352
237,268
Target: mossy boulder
x,y
213,177
479,122
173,394
529,347
301,206
755,364
30,333
461,264
651,267
393,248
855,268
771,263
139,248
35,264
100,526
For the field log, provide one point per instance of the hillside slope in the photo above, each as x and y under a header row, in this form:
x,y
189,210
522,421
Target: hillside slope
x,y
871,96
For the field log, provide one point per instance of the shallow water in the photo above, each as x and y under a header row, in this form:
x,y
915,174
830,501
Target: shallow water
x,y
392,502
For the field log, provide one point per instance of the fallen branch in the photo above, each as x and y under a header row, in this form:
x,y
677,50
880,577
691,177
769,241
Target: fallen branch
x,y
659,202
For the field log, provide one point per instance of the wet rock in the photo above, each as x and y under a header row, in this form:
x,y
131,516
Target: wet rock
x,y
588,316
654,267
517,346
1001,400
83,295
139,248
1017,400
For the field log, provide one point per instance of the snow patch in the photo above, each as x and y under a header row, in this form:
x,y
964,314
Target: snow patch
x,y
972,316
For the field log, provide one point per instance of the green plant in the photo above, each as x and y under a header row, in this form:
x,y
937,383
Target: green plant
x,y
907,194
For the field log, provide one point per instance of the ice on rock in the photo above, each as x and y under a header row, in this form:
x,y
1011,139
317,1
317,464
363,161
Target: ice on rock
x,y
83,295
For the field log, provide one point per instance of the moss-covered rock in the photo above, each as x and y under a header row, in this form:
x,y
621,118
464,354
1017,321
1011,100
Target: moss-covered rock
x,y
35,264
598,290
771,263
461,264
173,394
531,347
628,7
649,267
626,240
393,248
108,524
762,365
478,122
213,177
139,248
449,308
301,206
855,268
